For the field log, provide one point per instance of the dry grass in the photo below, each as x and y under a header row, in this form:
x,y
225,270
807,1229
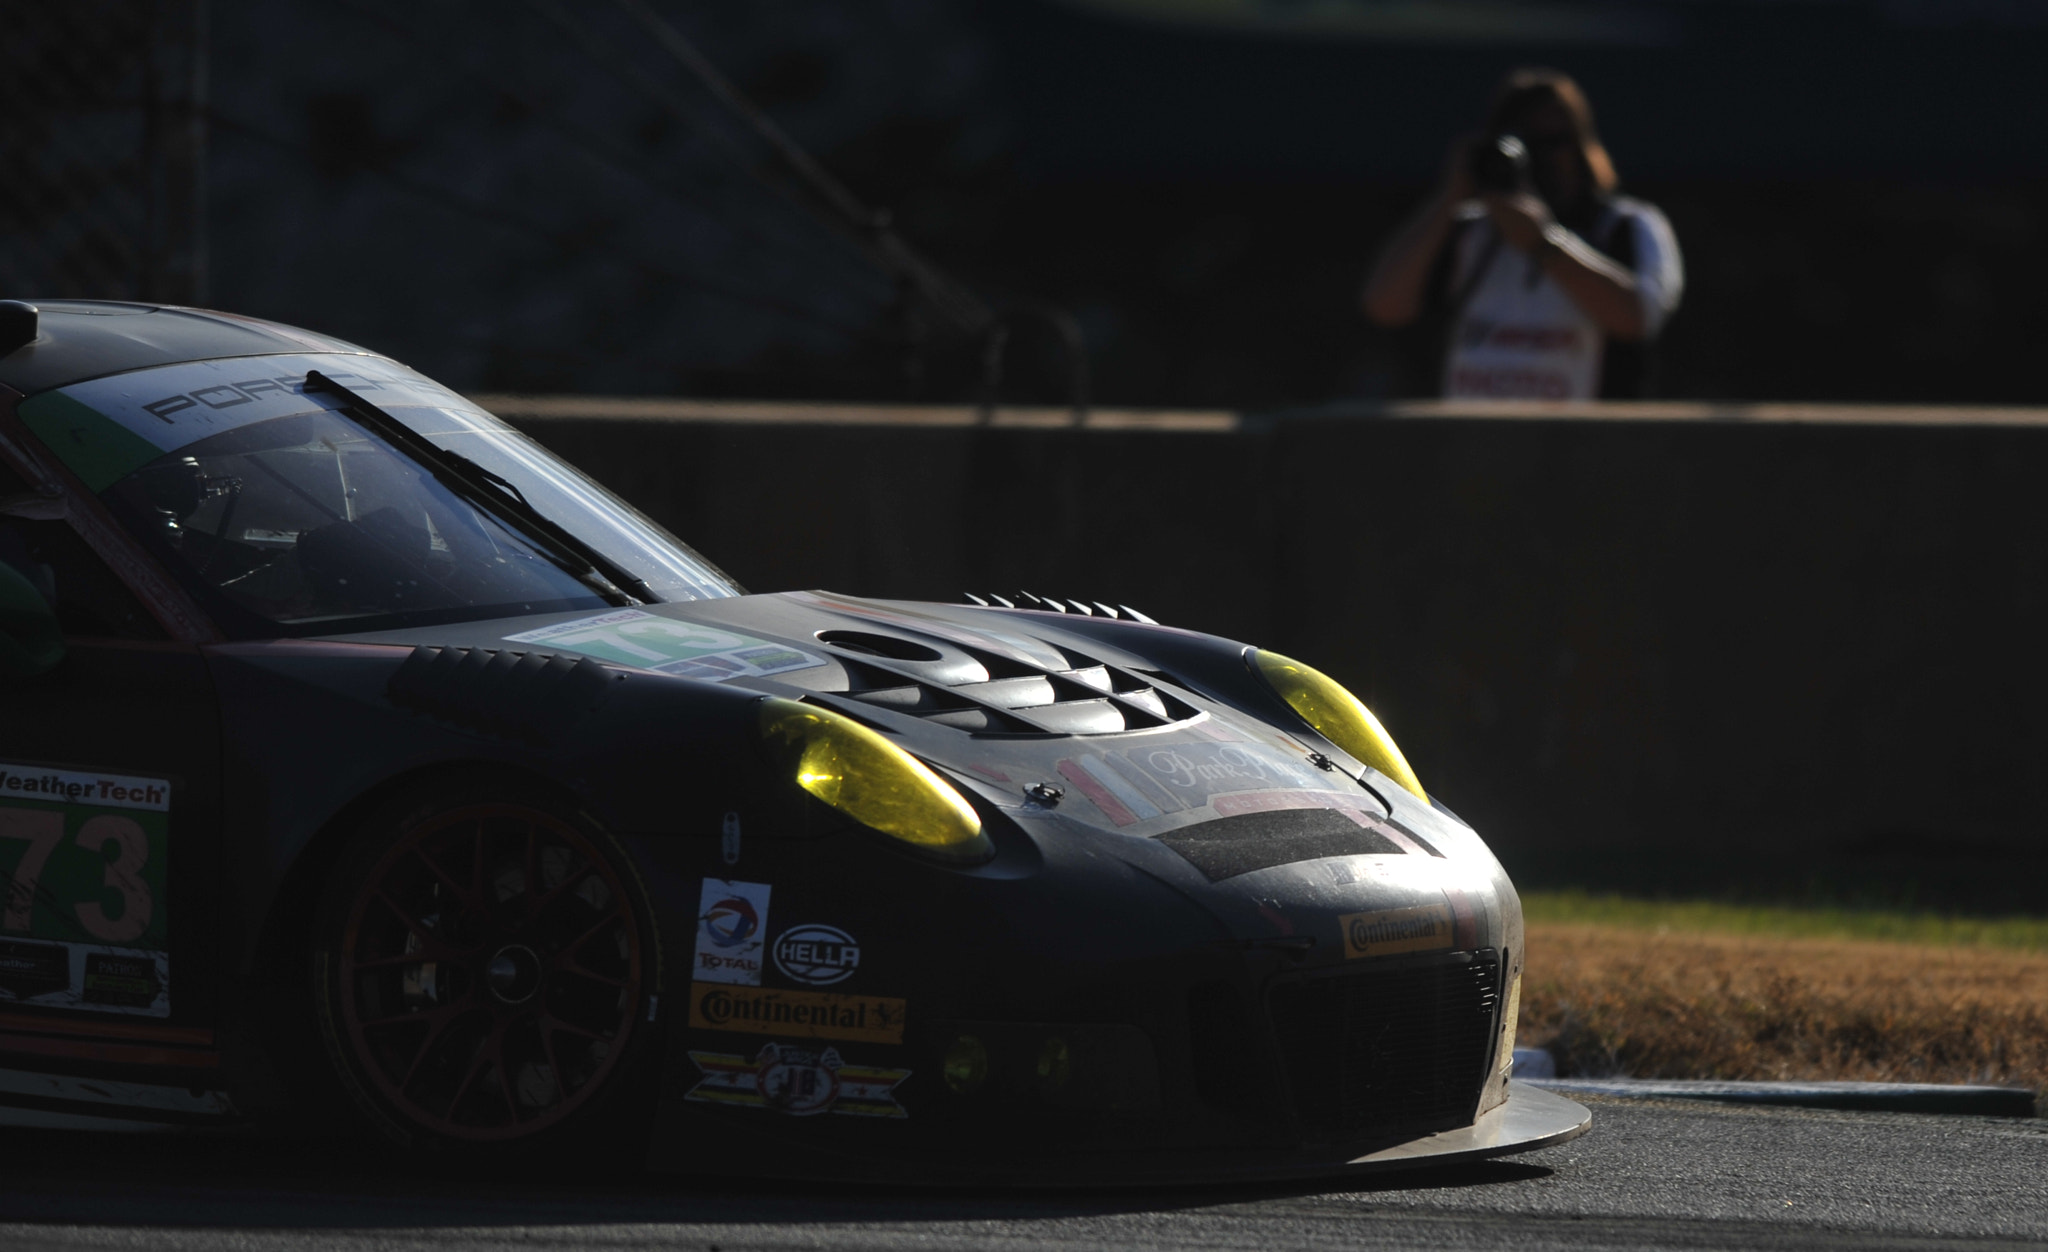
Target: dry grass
x,y
1806,921
1664,1003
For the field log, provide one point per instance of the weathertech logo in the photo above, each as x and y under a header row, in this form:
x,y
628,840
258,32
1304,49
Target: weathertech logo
x,y
63,786
1425,928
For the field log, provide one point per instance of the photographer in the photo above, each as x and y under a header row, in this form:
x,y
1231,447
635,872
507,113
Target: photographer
x,y
1552,286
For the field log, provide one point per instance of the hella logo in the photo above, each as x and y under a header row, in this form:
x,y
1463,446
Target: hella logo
x,y
816,956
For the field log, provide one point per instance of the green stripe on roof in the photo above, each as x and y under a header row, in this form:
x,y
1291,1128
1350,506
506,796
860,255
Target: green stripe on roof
x,y
94,446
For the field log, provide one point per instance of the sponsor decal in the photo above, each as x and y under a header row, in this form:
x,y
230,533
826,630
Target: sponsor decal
x,y
729,838
1424,928
105,428
774,658
816,956
1465,933
276,392
1138,784
1195,772
83,922
805,1014
798,1082
28,970
1114,795
687,649
731,919
110,791
111,978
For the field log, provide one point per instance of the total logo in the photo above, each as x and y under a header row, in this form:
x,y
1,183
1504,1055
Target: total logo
x,y
817,955
731,922
732,919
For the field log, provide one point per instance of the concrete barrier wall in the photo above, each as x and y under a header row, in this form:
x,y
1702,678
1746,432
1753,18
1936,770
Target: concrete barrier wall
x,y
1705,637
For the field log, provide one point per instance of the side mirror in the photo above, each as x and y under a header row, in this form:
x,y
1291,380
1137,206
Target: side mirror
x,y
31,642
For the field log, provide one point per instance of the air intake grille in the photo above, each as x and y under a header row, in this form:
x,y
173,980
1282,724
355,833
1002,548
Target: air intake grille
x,y
1393,1051
1229,846
1222,1032
987,693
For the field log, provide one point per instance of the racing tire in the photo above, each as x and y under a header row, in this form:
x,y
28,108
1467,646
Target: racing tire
x,y
485,963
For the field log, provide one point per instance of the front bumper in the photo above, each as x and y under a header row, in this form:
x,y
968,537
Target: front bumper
x,y
1529,1119
1137,1021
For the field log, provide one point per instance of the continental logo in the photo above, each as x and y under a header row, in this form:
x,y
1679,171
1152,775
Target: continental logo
x,y
806,1014
1425,928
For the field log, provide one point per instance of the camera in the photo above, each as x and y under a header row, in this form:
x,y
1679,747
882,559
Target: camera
x,y
1500,165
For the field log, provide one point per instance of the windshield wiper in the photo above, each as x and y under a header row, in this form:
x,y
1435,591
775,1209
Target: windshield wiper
x,y
490,491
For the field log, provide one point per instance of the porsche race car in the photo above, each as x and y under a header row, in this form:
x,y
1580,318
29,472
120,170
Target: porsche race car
x,y
361,760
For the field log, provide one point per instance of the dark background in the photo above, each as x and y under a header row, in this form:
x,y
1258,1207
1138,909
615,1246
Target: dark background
x,y
499,198
1770,661
1778,661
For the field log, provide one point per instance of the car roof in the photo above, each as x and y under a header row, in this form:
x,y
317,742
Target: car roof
x,y
80,339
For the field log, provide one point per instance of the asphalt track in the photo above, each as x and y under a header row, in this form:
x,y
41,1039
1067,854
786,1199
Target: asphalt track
x,y
1648,1176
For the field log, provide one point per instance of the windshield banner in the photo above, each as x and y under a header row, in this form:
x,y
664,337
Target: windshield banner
x,y
107,428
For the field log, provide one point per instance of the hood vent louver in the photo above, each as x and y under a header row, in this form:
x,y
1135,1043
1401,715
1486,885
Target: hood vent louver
x,y
535,698
1085,608
985,692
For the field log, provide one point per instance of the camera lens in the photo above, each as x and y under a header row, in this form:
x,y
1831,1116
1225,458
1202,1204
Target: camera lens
x,y
1500,164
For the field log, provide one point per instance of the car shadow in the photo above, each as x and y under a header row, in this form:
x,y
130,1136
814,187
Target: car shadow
x,y
236,1182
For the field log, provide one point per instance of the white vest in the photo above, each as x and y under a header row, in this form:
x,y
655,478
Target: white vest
x,y
1520,336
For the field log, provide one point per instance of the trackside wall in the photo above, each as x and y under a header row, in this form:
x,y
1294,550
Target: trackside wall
x,y
1652,652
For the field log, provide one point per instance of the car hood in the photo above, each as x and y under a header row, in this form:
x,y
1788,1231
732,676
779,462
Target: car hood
x,y
1124,726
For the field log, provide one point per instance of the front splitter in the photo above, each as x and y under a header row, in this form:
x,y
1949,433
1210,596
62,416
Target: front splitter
x,y
1528,1119
755,1145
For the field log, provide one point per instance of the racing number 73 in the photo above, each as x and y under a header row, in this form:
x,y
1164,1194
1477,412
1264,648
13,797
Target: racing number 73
x,y
43,830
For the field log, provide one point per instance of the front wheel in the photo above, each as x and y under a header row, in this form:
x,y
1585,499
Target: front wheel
x,y
486,960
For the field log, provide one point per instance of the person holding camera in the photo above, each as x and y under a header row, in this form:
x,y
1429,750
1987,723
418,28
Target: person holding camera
x,y
1551,285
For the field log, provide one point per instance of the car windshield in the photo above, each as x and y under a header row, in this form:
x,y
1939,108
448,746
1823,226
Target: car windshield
x,y
286,516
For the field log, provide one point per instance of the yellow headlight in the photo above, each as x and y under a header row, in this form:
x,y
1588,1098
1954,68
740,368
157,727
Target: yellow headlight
x,y
1337,715
873,781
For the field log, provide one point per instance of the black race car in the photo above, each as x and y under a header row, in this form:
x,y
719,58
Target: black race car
x,y
358,758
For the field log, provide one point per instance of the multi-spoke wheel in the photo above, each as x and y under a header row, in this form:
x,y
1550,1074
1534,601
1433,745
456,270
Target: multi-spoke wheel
x,y
486,965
